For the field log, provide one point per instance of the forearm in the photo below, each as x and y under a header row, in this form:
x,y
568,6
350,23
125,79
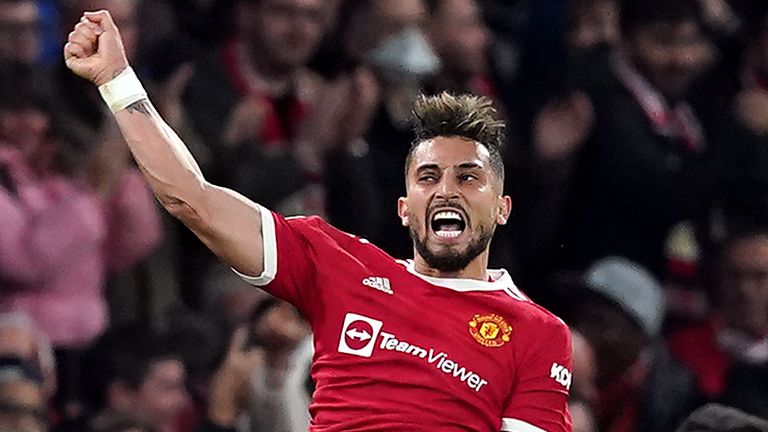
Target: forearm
x,y
167,164
228,223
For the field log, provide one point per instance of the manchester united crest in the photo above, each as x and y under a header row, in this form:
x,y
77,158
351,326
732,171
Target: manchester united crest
x,y
490,330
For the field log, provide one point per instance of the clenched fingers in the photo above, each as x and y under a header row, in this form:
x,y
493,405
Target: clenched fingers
x,y
88,30
74,50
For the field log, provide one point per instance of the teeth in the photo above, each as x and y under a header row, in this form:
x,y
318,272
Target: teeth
x,y
448,234
447,215
448,224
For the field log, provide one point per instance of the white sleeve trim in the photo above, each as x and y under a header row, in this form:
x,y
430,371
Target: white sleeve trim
x,y
514,425
269,243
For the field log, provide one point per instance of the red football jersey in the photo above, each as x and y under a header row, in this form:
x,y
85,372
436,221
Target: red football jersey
x,y
398,351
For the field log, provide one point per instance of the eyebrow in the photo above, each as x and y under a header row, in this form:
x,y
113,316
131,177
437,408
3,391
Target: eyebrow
x,y
470,165
426,167
463,166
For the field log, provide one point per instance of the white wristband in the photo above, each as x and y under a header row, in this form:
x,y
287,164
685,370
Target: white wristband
x,y
122,90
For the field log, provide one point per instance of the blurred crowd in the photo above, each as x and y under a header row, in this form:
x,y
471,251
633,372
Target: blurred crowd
x,y
636,155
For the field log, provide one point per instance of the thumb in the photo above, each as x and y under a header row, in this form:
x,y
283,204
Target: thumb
x,y
103,19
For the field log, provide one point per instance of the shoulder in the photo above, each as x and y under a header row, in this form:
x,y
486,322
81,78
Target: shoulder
x,y
535,325
317,230
518,303
543,319
314,226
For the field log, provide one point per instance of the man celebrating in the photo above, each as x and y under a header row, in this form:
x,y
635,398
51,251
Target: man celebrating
x,y
436,343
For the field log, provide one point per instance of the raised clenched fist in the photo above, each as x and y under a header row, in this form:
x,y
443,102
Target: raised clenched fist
x,y
94,49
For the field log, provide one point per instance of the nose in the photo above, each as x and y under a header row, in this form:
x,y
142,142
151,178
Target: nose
x,y
448,188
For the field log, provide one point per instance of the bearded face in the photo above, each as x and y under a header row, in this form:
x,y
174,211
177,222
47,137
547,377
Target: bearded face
x,y
453,203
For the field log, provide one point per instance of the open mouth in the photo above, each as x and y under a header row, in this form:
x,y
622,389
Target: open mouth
x,y
448,224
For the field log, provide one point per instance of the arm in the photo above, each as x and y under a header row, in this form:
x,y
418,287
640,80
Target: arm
x,y
225,221
539,400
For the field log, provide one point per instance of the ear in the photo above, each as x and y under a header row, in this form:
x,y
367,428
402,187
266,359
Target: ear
x,y
503,210
402,210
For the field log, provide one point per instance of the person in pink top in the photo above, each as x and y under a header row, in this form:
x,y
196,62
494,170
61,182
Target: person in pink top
x,y
59,235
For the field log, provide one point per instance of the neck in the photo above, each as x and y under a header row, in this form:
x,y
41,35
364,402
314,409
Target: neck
x,y
477,269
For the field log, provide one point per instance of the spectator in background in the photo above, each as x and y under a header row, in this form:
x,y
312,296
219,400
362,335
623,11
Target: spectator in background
x,y
23,402
113,422
62,232
19,338
201,341
584,368
561,115
461,40
138,384
279,396
583,391
256,86
632,153
229,386
592,23
582,415
131,372
739,95
735,340
19,31
620,312
719,418
272,129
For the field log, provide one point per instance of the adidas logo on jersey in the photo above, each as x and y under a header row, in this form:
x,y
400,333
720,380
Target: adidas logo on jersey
x,y
379,283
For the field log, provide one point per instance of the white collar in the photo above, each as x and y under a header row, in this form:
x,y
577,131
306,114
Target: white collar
x,y
500,280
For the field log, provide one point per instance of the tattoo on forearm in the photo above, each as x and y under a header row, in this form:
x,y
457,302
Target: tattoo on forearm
x,y
142,106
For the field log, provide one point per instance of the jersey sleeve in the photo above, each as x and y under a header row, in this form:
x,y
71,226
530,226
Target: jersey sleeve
x,y
291,247
540,398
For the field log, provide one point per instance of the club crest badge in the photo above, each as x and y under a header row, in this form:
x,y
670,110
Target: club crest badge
x,y
490,330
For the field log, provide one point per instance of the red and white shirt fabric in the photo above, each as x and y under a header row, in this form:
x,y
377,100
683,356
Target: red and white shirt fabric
x,y
396,350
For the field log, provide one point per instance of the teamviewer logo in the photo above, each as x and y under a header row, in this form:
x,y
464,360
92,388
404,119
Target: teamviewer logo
x,y
358,335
